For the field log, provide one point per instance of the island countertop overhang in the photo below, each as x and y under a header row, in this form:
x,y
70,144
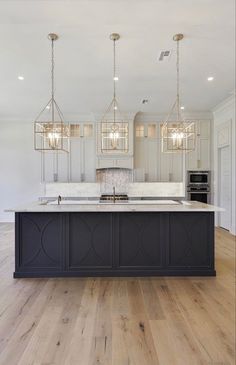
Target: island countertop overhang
x,y
132,206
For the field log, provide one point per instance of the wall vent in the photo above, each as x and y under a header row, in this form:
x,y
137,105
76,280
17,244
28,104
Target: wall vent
x,y
164,55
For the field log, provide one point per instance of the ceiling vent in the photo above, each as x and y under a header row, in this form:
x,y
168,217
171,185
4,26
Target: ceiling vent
x,y
164,55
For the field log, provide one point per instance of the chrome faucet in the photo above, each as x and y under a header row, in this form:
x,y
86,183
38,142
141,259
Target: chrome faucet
x,y
59,199
114,194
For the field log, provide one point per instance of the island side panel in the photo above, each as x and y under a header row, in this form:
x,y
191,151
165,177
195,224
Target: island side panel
x,y
141,241
39,243
90,241
191,243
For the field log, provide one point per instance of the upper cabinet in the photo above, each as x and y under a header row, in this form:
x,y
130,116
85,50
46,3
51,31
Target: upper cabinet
x,y
151,164
146,147
144,154
200,158
82,152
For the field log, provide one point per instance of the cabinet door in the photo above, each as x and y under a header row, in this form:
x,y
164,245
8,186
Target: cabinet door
x,y
192,158
89,153
40,242
191,240
90,240
139,240
151,160
75,160
204,149
204,128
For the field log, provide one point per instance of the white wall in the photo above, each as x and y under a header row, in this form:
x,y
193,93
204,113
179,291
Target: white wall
x,y
224,132
19,166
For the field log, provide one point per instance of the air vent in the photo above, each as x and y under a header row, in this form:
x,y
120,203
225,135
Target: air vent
x,y
164,55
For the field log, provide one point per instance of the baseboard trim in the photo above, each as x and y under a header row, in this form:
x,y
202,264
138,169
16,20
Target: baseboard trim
x,y
114,273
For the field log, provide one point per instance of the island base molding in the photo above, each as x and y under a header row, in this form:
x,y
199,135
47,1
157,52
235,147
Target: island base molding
x,y
93,244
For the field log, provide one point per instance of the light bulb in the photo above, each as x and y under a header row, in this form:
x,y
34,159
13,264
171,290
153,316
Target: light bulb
x,y
53,140
115,78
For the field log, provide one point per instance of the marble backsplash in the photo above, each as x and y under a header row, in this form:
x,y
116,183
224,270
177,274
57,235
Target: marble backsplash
x,y
114,177
135,190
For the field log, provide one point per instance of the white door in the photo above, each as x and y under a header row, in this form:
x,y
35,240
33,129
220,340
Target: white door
x,y
225,186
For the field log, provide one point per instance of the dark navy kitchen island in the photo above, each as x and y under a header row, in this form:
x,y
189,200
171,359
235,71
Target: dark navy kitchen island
x,y
127,240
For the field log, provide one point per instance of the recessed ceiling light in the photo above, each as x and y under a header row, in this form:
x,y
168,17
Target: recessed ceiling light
x,y
115,78
20,77
210,78
182,108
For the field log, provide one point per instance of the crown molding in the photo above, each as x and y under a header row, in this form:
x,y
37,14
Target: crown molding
x,y
128,116
224,104
148,117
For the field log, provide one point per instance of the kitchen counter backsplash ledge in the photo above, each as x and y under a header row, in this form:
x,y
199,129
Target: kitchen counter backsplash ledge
x,y
88,190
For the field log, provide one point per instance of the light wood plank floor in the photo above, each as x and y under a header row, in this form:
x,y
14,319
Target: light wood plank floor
x,y
119,321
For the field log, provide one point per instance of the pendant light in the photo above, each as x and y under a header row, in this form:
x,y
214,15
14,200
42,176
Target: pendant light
x,y
50,131
177,134
114,128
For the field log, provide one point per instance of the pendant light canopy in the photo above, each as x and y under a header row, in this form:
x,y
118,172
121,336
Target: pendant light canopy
x,y
50,131
177,134
114,128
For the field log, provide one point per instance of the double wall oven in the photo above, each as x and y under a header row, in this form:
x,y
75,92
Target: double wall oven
x,y
198,186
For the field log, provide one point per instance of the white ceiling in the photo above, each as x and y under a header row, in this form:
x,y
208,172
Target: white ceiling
x,y
84,54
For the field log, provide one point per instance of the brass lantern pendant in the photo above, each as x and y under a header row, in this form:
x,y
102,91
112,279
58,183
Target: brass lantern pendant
x,y
177,134
50,131
114,127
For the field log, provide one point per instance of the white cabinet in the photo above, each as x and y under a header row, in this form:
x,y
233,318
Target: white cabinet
x,y
171,167
146,147
151,164
75,159
55,166
144,155
200,158
82,152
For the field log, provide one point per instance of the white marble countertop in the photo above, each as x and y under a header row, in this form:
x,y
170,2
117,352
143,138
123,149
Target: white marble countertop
x,y
131,206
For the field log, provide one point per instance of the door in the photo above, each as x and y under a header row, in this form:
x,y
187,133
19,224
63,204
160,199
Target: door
x,y
225,186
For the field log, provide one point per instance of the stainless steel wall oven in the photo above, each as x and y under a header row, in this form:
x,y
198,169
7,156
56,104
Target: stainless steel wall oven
x,y
198,186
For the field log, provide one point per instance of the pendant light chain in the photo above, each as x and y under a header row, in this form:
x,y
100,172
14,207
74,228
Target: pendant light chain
x,y
114,81
52,78
177,83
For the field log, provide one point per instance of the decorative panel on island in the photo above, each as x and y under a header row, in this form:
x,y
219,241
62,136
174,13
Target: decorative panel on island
x,y
114,244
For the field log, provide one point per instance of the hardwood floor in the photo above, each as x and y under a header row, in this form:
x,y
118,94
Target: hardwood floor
x,y
118,321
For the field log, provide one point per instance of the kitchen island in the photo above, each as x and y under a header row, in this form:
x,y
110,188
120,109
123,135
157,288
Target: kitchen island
x,y
137,238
